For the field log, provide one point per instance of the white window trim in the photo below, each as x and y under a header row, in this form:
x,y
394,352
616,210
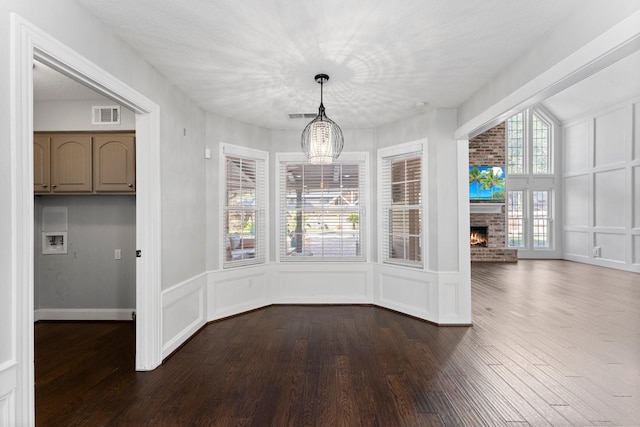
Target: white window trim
x,y
527,149
417,146
365,231
546,117
248,153
529,182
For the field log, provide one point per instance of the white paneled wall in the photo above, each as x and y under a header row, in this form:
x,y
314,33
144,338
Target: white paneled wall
x,y
601,178
183,312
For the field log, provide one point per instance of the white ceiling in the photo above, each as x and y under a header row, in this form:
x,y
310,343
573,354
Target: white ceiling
x,y
50,85
616,82
255,60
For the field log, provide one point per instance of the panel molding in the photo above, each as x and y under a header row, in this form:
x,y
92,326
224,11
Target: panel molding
x,y
184,312
8,379
238,290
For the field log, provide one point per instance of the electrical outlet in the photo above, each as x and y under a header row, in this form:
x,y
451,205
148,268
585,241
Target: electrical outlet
x,y
596,251
117,254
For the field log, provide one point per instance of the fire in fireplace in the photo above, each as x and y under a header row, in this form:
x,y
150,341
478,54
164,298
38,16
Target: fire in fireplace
x,y
479,236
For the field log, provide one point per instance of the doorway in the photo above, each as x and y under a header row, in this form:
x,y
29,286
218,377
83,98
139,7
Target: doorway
x,y
29,43
90,274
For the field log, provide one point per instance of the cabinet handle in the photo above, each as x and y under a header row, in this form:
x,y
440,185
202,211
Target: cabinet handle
x,y
44,185
130,185
54,185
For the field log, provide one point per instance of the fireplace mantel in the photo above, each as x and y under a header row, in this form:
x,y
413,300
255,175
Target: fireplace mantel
x,y
486,208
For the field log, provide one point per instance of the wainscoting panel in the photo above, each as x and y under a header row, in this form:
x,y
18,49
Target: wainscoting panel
x,y
183,312
576,244
612,246
237,290
8,372
414,292
454,300
325,283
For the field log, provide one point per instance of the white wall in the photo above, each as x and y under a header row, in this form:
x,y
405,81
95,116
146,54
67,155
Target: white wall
x,y
76,115
182,176
587,41
602,187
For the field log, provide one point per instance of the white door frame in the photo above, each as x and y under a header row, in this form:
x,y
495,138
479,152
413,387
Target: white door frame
x,y
29,42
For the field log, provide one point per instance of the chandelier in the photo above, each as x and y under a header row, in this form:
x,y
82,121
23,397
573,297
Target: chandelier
x,y
322,139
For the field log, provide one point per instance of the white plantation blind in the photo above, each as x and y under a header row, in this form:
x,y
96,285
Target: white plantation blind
x,y
244,207
322,211
400,197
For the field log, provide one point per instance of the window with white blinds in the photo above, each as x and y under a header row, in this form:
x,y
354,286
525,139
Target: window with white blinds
x,y
400,197
322,211
243,206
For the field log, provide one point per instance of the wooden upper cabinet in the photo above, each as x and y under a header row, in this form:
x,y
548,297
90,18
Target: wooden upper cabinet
x,y
89,163
71,170
114,163
41,164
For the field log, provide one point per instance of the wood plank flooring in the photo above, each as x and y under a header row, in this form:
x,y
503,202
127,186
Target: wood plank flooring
x,y
553,343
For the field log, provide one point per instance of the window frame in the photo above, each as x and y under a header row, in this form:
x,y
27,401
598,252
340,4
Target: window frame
x,y
522,220
528,142
529,183
262,204
385,157
529,219
548,218
282,160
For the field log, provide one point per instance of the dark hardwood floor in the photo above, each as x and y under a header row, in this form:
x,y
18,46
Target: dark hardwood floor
x,y
553,343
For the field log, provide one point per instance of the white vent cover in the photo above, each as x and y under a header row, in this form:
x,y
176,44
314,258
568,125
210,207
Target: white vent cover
x,y
101,115
302,115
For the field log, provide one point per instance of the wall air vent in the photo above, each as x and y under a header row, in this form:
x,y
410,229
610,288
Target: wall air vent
x,y
302,115
105,115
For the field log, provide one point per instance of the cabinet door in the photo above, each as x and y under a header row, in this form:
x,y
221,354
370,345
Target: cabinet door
x,y
114,163
71,170
41,163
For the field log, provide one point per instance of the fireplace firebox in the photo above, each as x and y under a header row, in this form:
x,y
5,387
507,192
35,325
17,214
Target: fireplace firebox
x,y
479,236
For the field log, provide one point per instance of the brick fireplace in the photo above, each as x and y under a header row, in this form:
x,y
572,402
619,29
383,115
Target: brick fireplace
x,y
487,149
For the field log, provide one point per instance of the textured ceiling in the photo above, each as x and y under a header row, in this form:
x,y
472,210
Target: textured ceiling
x,y
254,60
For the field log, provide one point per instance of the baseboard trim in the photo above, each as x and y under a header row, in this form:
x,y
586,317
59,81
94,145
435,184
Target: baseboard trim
x,y
83,314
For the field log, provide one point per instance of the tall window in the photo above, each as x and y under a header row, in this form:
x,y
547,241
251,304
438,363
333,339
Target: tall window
x,y
515,221
322,211
515,144
541,146
244,206
541,219
529,149
529,144
401,202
